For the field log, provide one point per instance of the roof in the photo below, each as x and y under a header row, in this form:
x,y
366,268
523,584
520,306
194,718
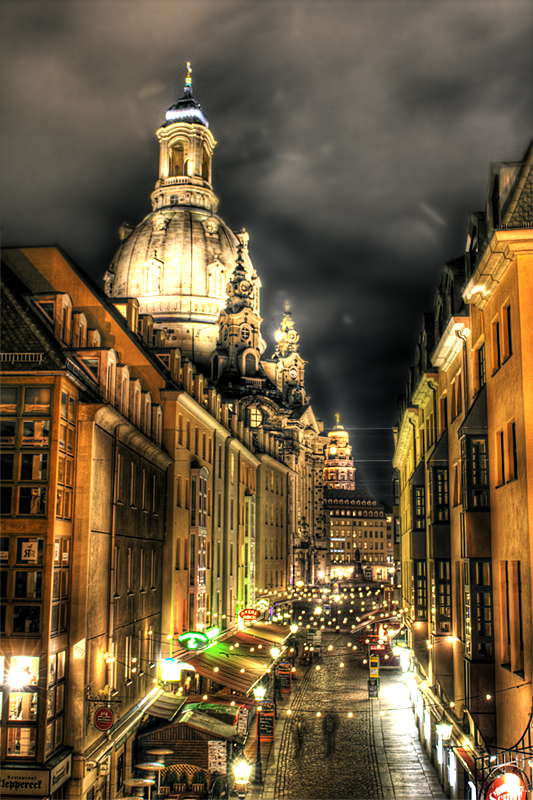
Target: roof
x,y
166,706
186,109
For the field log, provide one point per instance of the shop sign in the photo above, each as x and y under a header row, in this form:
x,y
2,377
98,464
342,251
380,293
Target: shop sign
x,y
509,786
192,640
249,613
263,605
242,721
103,718
377,647
35,782
217,756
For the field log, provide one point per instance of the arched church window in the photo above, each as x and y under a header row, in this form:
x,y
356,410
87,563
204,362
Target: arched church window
x,y
256,418
249,364
245,335
177,160
215,368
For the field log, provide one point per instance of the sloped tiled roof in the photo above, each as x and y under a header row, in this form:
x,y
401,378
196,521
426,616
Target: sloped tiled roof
x,y
22,332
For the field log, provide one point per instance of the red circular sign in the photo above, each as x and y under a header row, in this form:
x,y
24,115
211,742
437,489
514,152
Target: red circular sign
x,y
249,613
103,719
507,787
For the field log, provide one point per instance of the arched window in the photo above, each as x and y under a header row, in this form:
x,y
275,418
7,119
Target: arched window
x,y
249,365
177,160
173,199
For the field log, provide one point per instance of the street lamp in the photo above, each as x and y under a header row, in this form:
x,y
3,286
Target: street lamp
x,y
259,694
241,770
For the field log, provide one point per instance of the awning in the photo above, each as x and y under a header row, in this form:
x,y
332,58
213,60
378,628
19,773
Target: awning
x,y
269,631
206,724
166,706
232,663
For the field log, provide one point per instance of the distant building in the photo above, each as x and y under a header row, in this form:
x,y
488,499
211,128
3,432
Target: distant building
x,y
359,527
464,461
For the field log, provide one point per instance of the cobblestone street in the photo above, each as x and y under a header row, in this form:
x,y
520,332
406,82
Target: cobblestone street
x,y
351,771
377,754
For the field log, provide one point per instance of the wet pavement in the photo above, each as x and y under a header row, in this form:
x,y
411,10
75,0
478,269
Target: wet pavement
x,y
376,753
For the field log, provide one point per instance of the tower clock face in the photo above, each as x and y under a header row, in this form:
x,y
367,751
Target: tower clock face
x,y
293,373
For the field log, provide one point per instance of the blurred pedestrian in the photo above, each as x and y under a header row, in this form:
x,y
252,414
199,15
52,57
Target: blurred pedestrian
x,y
330,726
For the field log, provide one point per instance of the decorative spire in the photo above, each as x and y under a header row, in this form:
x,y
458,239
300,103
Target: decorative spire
x,y
239,289
187,109
286,336
188,79
337,419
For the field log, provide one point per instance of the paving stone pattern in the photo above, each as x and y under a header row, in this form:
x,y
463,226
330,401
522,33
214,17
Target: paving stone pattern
x,y
352,770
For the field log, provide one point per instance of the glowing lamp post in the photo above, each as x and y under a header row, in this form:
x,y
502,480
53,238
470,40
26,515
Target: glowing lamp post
x,y
444,730
242,769
259,694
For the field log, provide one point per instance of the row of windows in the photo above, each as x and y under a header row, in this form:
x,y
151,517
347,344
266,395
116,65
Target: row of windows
x,y
343,513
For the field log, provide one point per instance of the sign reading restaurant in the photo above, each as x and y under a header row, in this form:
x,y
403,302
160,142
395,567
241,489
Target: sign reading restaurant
x,y
35,782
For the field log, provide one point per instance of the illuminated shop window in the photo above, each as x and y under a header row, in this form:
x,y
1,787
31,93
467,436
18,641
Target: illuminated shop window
x,y
21,742
24,671
22,707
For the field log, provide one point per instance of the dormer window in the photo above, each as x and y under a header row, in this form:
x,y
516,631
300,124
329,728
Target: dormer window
x,y
146,406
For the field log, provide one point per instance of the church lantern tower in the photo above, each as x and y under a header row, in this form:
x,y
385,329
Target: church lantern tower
x,y
179,258
339,471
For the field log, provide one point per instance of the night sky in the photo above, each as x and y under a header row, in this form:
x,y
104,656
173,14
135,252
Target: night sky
x,y
354,139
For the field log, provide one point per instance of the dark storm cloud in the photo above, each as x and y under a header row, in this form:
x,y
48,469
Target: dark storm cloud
x,y
354,138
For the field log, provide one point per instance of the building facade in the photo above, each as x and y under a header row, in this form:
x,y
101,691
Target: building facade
x,y
159,475
464,463
359,527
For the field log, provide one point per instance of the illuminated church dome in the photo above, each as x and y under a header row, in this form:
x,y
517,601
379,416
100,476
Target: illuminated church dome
x,y
178,260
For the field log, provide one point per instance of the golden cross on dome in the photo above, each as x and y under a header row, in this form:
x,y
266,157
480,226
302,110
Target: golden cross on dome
x,y
337,419
188,79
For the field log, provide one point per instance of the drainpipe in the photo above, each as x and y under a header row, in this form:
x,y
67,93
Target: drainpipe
x,y
465,369
112,564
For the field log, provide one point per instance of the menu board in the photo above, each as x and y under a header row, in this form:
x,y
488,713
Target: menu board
x,y
217,756
266,726
285,681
